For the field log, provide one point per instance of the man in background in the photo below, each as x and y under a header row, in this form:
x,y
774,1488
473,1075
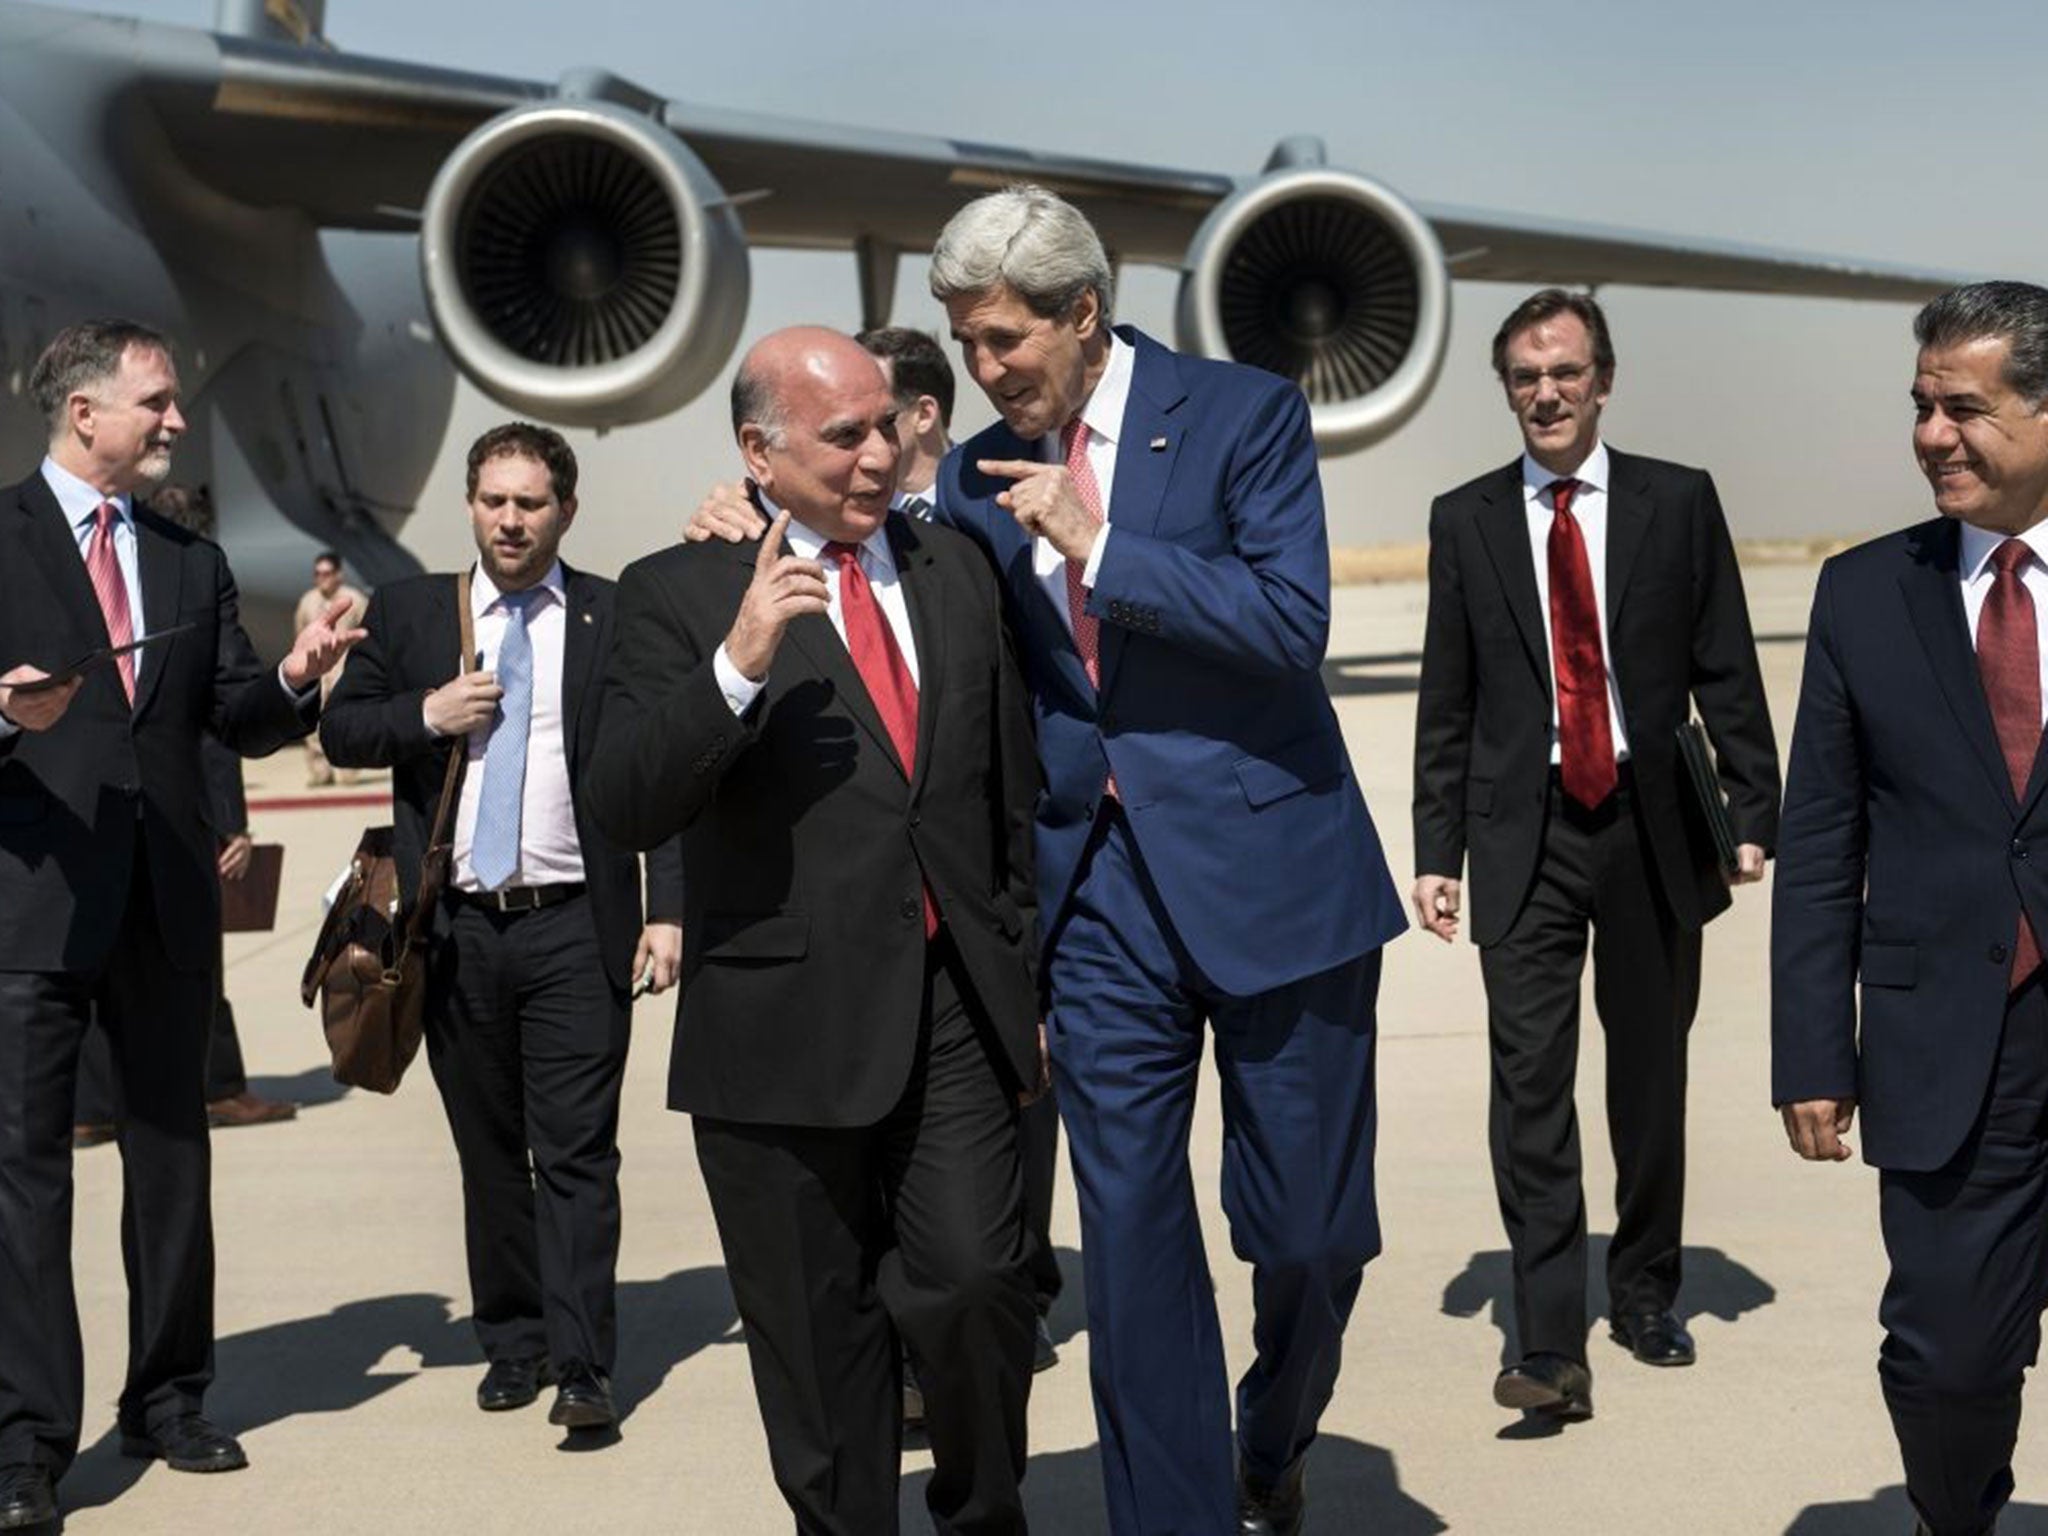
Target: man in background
x,y
1581,600
540,940
327,587
110,893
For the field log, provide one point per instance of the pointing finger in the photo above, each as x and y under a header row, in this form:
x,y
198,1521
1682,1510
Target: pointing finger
x,y
1013,469
337,610
771,546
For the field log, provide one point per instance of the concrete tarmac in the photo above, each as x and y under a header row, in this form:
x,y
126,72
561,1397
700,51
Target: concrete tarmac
x,y
347,1364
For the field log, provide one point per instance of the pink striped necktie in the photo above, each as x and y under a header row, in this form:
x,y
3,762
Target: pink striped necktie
x,y
104,567
1087,629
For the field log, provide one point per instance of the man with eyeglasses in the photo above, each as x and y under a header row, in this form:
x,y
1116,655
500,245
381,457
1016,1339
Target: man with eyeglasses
x,y
1581,600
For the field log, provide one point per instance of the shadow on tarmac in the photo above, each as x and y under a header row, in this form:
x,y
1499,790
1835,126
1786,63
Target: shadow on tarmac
x,y
329,1363
1887,1511
308,1089
1715,1286
1352,1486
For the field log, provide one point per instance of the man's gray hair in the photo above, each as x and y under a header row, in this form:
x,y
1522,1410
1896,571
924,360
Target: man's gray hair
x,y
2015,313
754,400
1039,244
82,356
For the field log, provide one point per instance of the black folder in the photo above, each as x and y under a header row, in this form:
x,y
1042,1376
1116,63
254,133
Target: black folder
x,y
1706,788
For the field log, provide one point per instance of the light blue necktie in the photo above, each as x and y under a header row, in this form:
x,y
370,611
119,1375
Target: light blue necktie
x,y
494,851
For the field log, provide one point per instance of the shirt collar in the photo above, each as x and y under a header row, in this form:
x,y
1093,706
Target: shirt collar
x,y
1592,475
806,543
1979,544
79,500
483,591
1103,414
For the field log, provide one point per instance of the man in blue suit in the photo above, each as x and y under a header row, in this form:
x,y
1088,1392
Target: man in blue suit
x,y
1913,808
1205,861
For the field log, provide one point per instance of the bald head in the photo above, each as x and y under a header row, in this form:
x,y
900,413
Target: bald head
x,y
816,424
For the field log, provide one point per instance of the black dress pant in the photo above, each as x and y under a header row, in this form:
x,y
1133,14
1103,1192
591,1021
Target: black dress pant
x,y
156,1016
527,1039
1038,1145
99,1090
1969,1276
838,1240
1593,874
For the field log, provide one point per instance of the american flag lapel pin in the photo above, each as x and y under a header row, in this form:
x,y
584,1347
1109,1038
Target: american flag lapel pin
x,y
1159,445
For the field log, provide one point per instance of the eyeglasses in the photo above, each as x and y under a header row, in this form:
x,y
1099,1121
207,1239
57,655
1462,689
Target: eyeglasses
x,y
1570,378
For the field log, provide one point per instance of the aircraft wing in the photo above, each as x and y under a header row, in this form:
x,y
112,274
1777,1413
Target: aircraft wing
x,y
356,142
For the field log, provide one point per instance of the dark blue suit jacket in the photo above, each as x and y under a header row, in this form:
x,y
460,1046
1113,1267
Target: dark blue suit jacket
x,y
1214,601
1903,857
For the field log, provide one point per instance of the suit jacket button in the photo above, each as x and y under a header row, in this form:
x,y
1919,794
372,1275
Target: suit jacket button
x,y
1106,722
1997,954
911,907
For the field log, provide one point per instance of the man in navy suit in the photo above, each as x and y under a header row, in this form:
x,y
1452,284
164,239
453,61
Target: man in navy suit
x,y
1913,808
1205,860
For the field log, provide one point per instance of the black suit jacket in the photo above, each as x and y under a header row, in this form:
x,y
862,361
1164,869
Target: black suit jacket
x,y
374,720
804,844
1905,860
1678,630
73,798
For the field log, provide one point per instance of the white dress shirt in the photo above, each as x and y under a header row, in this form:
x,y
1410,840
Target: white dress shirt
x,y
877,563
1973,566
1103,417
550,853
1589,509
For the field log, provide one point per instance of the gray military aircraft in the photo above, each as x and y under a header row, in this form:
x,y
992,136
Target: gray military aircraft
x,y
331,236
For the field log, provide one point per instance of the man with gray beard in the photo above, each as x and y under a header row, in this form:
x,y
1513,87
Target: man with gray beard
x,y
109,897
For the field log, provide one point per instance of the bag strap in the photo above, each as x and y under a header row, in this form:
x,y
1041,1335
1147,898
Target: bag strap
x,y
434,861
463,663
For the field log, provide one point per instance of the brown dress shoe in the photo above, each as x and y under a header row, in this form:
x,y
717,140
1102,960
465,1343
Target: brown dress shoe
x,y
92,1135
246,1108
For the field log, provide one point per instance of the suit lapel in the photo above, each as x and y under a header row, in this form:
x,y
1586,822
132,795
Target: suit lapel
x,y
1138,493
1629,510
49,538
919,574
579,656
161,564
1504,528
1934,600
812,634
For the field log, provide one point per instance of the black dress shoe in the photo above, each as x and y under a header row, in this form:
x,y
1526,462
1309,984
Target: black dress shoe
x,y
188,1443
1044,1355
584,1399
511,1384
27,1496
1655,1338
1271,1509
1548,1384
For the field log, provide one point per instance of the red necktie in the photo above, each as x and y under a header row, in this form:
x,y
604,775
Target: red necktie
x,y
1087,631
104,568
2009,661
879,661
1585,735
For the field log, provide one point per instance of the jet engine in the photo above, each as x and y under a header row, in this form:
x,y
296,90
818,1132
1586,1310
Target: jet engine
x,y
582,265
1327,278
